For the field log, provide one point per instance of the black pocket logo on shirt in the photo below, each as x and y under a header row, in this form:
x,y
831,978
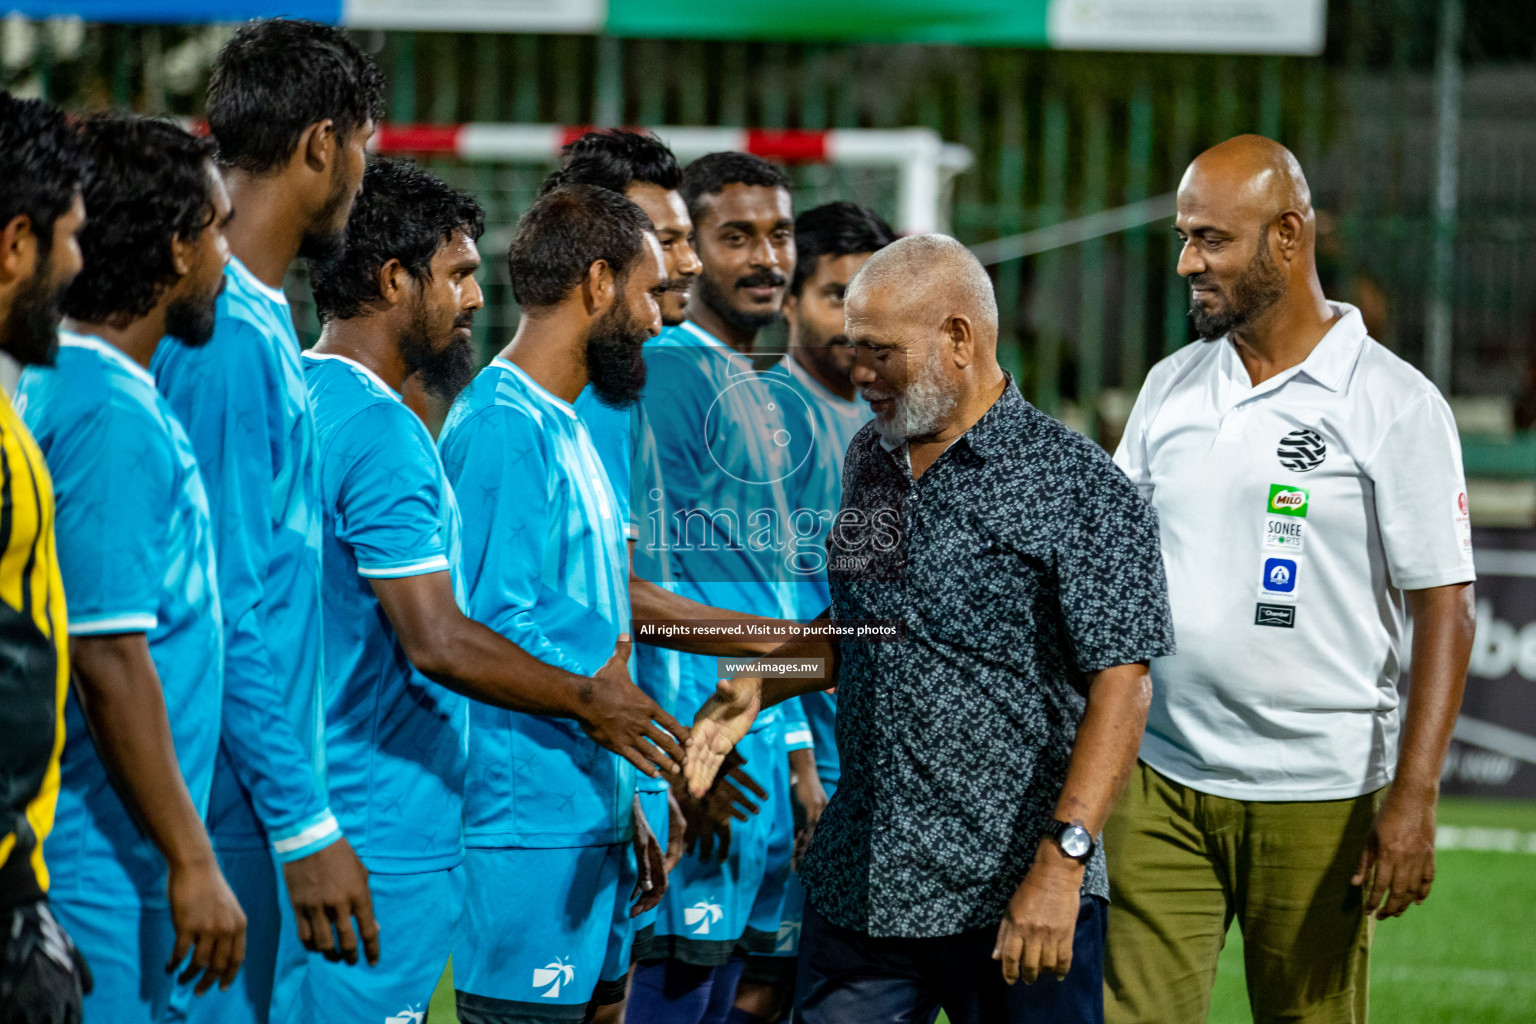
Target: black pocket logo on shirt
x,y
1302,450
1279,615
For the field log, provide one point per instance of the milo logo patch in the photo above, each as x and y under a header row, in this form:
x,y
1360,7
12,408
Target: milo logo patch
x,y
1285,500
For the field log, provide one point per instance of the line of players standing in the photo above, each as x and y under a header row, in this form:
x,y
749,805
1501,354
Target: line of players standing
x,y
393,674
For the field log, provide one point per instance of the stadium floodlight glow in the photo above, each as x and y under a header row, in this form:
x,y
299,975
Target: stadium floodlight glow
x,y
924,163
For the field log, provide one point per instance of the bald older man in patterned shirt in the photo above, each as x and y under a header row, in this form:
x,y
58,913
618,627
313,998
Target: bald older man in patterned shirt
x,y
982,751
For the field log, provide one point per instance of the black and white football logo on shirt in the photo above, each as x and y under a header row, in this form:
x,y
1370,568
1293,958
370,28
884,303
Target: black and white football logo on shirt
x,y
1302,450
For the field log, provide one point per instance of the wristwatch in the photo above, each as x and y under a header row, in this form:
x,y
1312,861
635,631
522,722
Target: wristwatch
x,y
1074,840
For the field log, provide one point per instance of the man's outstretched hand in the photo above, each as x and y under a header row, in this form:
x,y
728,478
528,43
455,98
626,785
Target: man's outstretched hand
x,y
720,724
617,714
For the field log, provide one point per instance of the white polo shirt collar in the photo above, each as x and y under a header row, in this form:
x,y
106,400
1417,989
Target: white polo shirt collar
x,y
1328,365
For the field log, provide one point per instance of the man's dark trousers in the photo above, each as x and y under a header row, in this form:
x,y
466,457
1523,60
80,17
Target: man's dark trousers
x,y
847,977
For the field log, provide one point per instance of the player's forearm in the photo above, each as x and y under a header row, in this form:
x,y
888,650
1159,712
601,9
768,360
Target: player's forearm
x,y
776,689
120,694
480,663
802,762
1444,619
1104,751
650,601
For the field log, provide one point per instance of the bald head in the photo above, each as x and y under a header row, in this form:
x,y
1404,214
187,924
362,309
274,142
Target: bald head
x,y
930,278
1245,215
1248,174
923,322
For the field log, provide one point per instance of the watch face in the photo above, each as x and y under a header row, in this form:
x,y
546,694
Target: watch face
x,y
1075,841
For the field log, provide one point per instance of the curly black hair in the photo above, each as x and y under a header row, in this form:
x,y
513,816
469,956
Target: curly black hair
x,y
404,213
566,231
278,76
43,165
613,158
149,183
709,174
835,229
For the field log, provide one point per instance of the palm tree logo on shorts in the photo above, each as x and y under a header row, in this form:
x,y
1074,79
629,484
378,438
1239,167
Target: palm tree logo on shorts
x,y
553,974
703,914
407,1016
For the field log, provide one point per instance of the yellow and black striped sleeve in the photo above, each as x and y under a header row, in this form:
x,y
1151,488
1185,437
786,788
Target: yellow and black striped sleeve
x,y
34,662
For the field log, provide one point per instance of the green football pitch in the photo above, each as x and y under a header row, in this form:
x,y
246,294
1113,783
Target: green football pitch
x,y
1467,956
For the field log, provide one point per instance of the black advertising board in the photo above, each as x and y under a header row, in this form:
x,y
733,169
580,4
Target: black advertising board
x,y
1494,752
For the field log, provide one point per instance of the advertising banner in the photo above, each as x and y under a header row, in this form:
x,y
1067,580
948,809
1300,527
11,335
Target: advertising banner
x,y
1494,753
1180,26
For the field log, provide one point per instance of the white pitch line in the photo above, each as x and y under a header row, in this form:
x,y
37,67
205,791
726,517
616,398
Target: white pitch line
x,y
1488,840
1469,977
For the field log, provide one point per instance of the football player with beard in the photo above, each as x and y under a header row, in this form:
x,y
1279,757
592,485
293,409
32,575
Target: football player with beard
x,y
547,566
137,884
291,106
400,303
43,166
726,461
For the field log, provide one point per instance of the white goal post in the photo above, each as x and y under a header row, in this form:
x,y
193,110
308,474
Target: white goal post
x,y
924,163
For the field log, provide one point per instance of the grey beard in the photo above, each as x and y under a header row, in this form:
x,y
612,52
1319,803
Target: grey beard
x,y
922,409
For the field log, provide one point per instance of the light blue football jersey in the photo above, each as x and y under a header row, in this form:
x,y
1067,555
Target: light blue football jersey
x,y
726,460
832,421
546,567
396,742
136,556
241,398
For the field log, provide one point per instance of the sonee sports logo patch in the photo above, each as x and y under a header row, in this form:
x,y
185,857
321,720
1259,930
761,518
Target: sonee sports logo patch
x,y
1283,533
1282,616
1302,451
1288,501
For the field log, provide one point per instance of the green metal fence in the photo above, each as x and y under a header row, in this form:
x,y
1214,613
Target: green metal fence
x,y
1056,135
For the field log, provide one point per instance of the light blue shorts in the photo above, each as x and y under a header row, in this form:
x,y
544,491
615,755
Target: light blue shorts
x,y
787,942
418,916
778,813
545,932
709,903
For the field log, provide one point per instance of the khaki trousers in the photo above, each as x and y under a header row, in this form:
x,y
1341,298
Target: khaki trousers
x,y
1183,864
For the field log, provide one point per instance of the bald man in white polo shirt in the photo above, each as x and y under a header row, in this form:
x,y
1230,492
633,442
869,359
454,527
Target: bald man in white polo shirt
x,y
1311,498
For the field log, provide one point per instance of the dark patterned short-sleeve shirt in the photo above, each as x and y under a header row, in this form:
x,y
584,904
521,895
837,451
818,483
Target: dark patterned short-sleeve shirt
x,y
1020,562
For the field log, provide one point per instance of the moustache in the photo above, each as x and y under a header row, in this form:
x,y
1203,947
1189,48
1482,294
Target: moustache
x,y
464,321
680,284
762,279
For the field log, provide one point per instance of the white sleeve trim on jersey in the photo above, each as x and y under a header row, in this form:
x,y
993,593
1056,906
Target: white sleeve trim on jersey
x,y
1428,581
99,625
391,570
324,826
799,739
631,530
